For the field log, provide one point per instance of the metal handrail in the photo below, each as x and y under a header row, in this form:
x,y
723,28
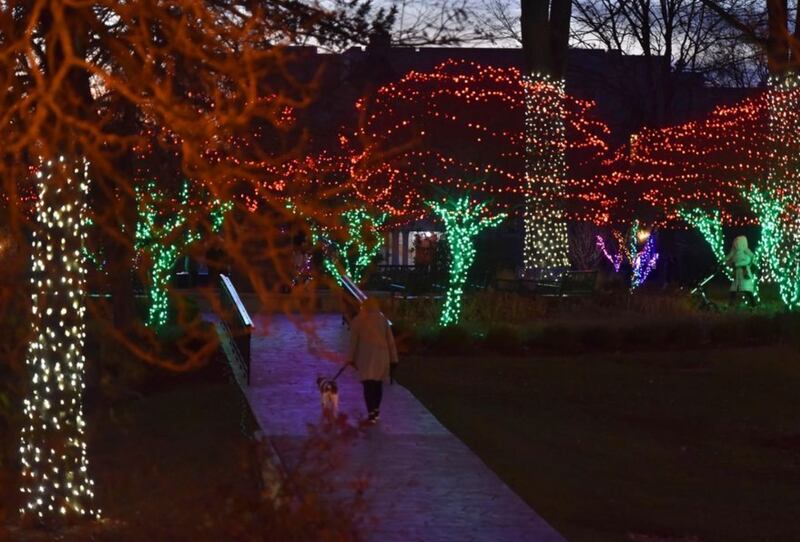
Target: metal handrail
x,y
237,301
353,289
237,335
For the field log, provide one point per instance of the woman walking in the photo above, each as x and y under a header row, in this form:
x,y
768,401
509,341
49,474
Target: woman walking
x,y
741,258
373,352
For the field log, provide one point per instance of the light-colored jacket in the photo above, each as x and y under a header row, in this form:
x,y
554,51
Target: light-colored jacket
x,y
741,258
372,346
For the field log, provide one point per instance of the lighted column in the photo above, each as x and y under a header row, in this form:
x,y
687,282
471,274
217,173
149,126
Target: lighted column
x,y
546,243
56,485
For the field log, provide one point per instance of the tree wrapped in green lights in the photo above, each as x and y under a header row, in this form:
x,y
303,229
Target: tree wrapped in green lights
x,y
164,239
363,240
463,221
352,254
778,252
709,224
322,237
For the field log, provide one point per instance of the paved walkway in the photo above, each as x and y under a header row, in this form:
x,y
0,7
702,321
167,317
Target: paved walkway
x,y
424,483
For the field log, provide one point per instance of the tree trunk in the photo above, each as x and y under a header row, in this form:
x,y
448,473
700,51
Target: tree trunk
x,y
535,34
778,39
55,481
56,484
560,16
545,36
545,40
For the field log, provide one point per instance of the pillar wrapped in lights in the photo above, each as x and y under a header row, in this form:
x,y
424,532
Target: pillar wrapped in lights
x,y
783,108
56,486
463,221
546,244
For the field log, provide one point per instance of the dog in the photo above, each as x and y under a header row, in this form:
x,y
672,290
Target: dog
x,y
328,395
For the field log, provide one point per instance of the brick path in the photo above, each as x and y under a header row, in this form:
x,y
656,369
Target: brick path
x,y
424,483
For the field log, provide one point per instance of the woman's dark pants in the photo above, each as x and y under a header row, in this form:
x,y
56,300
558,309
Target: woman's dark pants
x,y
373,393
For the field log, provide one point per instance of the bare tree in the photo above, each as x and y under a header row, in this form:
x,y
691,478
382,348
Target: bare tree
x,y
678,39
500,20
779,38
441,22
690,36
544,27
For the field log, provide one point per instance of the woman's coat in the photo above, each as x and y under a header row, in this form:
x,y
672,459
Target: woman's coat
x,y
372,347
741,258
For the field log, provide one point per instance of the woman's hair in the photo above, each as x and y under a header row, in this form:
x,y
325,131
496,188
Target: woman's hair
x,y
739,243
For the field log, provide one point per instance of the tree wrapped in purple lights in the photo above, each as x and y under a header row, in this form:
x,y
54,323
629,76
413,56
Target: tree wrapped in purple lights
x,y
644,262
638,249
619,253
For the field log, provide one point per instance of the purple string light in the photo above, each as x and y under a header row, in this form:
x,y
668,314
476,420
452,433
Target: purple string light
x,y
616,260
644,263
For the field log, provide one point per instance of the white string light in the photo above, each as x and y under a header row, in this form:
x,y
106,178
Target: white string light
x,y
56,485
546,243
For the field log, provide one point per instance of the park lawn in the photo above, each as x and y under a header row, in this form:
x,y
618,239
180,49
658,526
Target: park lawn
x,y
696,446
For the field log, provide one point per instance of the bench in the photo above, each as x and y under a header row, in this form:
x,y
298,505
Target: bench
x,y
570,284
237,327
577,283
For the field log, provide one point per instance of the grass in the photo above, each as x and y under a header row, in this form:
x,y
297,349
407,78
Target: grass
x,y
698,445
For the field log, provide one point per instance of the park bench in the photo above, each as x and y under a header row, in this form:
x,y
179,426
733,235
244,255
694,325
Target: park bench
x,y
576,284
569,284
236,327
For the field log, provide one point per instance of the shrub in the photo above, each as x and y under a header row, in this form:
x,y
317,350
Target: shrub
x,y
504,338
455,340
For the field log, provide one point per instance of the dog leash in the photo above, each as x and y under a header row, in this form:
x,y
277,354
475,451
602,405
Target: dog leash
x,y
340,372
391,376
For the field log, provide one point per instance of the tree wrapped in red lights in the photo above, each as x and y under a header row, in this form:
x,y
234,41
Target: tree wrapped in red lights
x,y
461,127
708,163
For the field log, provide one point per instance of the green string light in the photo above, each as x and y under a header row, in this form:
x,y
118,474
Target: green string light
x,y
709,224
778,252
161,239
463,221
321,237
363,241
98,260
353,255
